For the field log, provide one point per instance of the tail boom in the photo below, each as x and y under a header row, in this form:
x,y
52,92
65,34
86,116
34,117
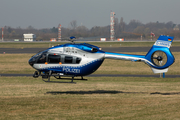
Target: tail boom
x,y
129,57
120,56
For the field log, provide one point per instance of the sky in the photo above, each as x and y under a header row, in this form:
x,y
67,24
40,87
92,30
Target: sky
x,y
50,13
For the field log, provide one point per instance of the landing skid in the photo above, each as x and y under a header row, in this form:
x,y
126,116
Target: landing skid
x,y
59,77
47,77
57,81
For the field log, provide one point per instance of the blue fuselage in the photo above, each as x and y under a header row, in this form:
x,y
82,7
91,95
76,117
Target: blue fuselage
x,y
69,59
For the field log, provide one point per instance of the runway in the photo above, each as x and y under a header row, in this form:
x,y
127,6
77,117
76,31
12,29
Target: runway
x,y
97,75
106,49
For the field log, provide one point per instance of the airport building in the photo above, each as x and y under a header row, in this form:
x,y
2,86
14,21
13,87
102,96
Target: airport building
x,y
29,37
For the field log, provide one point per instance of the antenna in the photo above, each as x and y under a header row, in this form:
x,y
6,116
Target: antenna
x,y
72,38
112,26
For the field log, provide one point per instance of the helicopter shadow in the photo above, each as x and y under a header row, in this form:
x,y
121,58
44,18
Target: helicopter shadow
x,y
170,93
107,92
90,92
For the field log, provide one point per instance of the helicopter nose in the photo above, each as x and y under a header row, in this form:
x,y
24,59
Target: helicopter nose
x,y
31,61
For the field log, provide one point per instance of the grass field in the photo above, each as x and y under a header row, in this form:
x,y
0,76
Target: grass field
x,y
18,63
99,44
107,98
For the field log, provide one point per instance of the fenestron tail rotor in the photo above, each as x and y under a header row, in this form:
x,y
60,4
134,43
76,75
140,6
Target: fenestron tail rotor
x,y
159,58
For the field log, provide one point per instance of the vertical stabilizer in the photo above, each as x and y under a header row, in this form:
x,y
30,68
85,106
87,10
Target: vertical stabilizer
x,y
164,41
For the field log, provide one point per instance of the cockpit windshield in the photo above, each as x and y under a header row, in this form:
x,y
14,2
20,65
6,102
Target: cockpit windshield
x,y
39,57
38,54
42,58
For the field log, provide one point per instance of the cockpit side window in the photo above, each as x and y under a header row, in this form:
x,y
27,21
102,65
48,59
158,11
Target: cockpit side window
x,y
42,58
54,59
78,60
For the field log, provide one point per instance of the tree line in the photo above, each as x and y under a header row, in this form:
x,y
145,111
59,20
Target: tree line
x,y
133,30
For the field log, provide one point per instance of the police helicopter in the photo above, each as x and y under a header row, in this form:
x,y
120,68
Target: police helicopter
x,y
81,59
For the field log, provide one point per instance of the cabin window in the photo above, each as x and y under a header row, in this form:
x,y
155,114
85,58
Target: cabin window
x,y
78,60
54,59
68,59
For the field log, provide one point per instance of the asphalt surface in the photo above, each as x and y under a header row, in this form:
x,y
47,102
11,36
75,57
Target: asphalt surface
x,y
106,49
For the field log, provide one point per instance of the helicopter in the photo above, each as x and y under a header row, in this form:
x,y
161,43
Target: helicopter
x,y
81,59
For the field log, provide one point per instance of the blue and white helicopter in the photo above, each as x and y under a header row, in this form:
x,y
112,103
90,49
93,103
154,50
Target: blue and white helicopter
x,y
82,59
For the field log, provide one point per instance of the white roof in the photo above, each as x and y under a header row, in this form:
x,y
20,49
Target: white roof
x,y
29,35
